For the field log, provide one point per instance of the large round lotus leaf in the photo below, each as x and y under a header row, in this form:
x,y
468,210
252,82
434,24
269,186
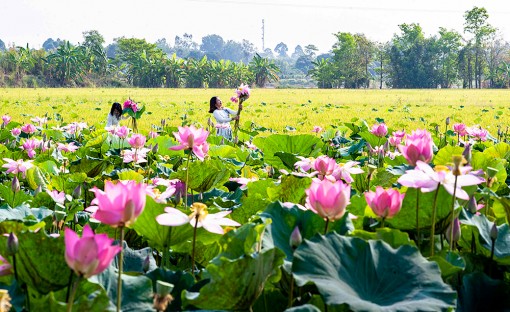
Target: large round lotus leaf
x,y
371,275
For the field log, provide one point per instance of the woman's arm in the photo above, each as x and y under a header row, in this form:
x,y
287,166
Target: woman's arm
x,y
230,111
221,117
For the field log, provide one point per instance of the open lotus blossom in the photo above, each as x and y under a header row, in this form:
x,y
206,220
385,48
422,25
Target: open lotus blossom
x,y
39,120
243,181
17,166
394,140
477,133
15,132
68,147
158,196
5,267
119,204
243,92
28,128
304,164
152,134
344,170
385,203
137,140
428,179
91,254
5,120
29,146
234,99
328,199
418,147
379,130
460,129
193,139
251,146
58,197
212,222
317,129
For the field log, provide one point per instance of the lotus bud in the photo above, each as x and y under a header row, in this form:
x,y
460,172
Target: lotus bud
x,y
163,122
222,141
295,238
162,296
77,192
75,218
146,264
447,121
44,137
12,244
467,153
59,215
494,231
371,170
457,162
15,187
472,206
455,236
491,176
155,149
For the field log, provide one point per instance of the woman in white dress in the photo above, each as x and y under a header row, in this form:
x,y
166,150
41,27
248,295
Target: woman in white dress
x,y
115,115
222,116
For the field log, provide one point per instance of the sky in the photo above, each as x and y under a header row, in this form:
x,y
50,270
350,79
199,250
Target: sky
x,y
293,22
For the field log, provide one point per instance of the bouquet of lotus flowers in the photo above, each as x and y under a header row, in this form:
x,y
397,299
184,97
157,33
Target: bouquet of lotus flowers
x,y
134,111
242,94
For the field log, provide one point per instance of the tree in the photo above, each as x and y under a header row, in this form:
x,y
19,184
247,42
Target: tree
x,y
164,46
382,60
323,73
264,70
233,51
183,46
304,63
448,44
476,24
212,43
2,45
310,50
96,57
281,49
67,63
348,61
248,51
52,45
298,51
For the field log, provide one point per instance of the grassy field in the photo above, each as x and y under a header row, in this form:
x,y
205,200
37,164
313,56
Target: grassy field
x,y
277,109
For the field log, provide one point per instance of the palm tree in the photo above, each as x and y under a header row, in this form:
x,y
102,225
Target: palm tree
x,y
322,71
174,72
264,70
68,63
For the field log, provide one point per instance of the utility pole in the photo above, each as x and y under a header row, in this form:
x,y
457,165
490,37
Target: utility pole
x,y
263,48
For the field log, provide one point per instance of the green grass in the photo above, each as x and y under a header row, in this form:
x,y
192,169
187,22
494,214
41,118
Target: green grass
x,y
271,108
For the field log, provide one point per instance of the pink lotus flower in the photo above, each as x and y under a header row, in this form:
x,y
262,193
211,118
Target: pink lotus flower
x,y
212,222
344,170
91,254
28,128
39,120
399,134
234,99
131,104
16,132
317,129
324,166
384,203
58,197
122,132
17,166
152,135
243,92
379,130
477,133
251,146
194,139
395,140
428,179
5,267
304,164
418,147
137,140
5,120
328,199
119,204
243,181
30,145
68,147
136,155
460,129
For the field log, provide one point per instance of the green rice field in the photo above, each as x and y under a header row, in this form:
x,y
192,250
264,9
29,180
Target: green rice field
x,y
283,110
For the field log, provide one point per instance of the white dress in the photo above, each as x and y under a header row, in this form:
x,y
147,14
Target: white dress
x,y
112,121
223,122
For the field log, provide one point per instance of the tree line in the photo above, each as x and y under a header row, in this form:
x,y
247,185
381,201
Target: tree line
x,y
408,60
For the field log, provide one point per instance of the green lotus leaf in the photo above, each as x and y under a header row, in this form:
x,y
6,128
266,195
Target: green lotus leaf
x,y
444,155
301,145
371,275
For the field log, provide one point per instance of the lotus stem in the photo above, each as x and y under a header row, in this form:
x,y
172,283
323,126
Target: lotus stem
x,y
73,293
326,226
119,279
418,218
193,250
187,180
452,212
433,226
